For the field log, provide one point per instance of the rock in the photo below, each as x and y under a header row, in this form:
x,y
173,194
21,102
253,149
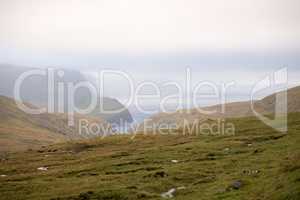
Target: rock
x,y
3,175
169,194
42,168
226,149
174,161
237,185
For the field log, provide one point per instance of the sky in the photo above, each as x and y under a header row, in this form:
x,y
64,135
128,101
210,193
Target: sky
x,y
155,40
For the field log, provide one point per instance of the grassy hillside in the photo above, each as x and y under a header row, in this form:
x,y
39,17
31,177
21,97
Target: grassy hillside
x,y
232,110
256,163
293,96
20,130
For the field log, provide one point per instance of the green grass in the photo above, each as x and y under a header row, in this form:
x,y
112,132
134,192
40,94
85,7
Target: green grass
x,y
119,168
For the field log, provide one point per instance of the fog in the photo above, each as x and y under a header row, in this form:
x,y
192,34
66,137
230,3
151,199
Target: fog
x,y
220,41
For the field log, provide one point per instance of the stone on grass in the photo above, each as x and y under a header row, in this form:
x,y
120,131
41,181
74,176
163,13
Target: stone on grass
x,y
42,168
237,185
169,194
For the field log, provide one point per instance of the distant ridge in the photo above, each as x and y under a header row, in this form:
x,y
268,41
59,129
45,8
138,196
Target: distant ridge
x,y
35,91
232,110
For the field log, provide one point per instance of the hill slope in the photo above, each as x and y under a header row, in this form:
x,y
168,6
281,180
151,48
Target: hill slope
x,y
293,96
20,131
256,163
232,110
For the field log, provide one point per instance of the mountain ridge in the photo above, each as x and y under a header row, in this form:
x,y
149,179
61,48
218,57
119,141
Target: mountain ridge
x,y
20,130
34,90
263,106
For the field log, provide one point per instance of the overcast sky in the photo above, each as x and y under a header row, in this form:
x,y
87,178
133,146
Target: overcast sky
x,y
156,25
220,40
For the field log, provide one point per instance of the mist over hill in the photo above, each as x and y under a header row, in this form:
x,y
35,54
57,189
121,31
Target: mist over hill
x,y
34,90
